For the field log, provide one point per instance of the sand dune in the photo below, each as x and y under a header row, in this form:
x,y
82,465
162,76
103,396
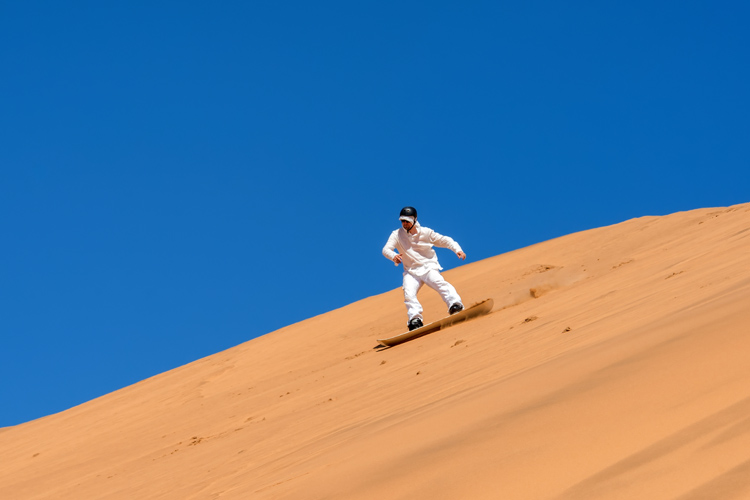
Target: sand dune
x,y
615,364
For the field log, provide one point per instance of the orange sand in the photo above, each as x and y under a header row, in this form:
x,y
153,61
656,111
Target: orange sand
x,y
615,364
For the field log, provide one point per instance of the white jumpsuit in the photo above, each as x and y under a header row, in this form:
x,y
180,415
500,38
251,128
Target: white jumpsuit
x,y
421,266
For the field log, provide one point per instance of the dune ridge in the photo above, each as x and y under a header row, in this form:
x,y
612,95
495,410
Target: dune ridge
x,y
615,364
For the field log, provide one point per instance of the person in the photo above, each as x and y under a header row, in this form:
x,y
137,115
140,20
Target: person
x,y
421,267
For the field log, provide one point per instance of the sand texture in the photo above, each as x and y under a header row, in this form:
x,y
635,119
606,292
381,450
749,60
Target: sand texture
x,y
615,364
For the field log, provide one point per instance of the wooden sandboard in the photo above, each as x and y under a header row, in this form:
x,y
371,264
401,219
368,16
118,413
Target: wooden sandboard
x,y
475,310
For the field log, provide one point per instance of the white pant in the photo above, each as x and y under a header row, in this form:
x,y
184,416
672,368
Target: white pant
x,y
434,280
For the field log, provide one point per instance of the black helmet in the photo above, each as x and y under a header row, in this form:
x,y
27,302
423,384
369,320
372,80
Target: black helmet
x,y
409,212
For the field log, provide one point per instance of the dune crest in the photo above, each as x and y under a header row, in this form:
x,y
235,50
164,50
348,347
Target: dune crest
x,y
615,364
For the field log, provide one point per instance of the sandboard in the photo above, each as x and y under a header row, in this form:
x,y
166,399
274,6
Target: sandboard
x,y
475,310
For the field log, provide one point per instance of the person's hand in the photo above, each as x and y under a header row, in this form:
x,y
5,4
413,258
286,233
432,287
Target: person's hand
x,y
397,259
461,255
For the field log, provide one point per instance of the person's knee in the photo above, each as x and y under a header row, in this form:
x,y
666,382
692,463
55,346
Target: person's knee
x,y
437,282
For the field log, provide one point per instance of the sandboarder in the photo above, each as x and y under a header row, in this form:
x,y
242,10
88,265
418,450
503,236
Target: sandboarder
x,y
421,267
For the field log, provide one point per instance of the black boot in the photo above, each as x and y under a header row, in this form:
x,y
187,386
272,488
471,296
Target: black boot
x,y
415,323
457,307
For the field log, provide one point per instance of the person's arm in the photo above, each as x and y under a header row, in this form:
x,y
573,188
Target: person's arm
x,y
389,250
442,241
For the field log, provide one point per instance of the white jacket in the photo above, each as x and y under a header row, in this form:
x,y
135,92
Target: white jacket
x,y
417,254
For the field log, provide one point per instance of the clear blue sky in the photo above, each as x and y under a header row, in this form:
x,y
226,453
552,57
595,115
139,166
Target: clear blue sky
x,y
179,177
